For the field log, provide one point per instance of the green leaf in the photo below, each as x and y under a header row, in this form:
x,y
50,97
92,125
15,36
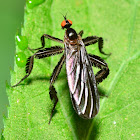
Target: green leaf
x,y
30,106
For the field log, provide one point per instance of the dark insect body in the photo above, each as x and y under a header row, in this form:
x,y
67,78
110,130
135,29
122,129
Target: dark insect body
x,y
81,79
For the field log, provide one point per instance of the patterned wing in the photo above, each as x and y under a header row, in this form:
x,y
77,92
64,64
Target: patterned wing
x,y
82,83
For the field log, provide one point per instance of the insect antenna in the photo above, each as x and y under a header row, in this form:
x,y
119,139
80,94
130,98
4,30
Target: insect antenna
x,y
64,16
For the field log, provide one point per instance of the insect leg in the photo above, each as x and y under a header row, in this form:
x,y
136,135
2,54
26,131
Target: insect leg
x,y
46,52
81,33
53,93
40,54
94,39
48,37
29,67
100,63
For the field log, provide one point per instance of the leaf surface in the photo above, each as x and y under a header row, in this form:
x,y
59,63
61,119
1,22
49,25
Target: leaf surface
x,y
30,105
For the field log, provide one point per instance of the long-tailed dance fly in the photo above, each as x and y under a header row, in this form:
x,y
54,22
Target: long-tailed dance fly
x,y
81,79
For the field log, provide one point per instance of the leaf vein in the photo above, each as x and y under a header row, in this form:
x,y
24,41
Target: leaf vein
x,y
118,74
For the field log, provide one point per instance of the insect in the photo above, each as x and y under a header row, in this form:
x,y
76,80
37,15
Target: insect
x,y
81,79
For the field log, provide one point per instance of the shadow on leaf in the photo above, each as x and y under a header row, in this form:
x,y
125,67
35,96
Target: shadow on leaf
x,y
80,127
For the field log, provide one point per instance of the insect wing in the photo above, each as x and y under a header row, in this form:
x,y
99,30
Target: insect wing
x,y
82,83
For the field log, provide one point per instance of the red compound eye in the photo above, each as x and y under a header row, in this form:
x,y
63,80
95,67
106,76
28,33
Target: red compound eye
x,y
66,23
63,23
70,21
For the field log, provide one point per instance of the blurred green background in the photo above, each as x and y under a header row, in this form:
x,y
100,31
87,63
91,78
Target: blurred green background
x,y
11,19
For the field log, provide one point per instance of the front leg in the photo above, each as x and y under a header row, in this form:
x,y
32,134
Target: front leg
x,y
94,39
81,33
100,63
48,37
53,93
